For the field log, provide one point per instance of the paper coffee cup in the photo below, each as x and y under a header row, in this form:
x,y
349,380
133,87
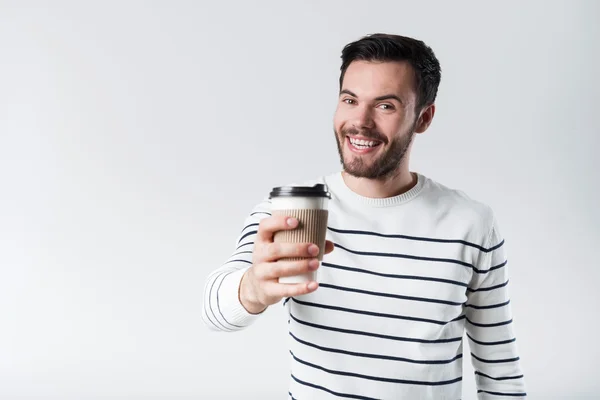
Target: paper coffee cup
x,y
309,205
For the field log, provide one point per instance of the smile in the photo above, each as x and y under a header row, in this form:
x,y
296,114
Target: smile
x,y
362,146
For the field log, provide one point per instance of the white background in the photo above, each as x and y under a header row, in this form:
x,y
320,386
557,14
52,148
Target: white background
x,y
135,136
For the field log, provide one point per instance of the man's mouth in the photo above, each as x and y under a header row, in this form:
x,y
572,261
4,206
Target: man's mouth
x,y
363,145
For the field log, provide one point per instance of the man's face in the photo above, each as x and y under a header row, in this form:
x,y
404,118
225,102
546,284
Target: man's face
x,y
375,118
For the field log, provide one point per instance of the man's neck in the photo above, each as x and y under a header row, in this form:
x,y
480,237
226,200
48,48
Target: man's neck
x,y
401,182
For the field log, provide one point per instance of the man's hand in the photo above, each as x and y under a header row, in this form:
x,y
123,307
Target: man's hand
x,y
259,287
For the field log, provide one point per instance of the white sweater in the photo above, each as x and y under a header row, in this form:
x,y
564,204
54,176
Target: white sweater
x,y
408,276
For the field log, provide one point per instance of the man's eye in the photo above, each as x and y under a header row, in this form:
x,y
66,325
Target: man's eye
x,y
386,107
349,101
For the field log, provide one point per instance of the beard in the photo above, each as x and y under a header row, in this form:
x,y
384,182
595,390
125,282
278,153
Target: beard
x,y
386,164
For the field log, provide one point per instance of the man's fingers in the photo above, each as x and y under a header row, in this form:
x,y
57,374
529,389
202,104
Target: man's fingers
x,y
291,268
281,290
276,251
268,226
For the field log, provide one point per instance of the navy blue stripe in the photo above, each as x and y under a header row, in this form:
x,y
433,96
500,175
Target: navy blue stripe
x,y
338,394
259,212
485,271
246,235
490,325
212,311
407,256
419,258
418,238
362,333
249,225
286,300
291,395
376,378
376,356
495,247
414,277
244,261
491,343
242,245
374,314
395,296
502,393
505,360
487,289
488,307
218,305
502,378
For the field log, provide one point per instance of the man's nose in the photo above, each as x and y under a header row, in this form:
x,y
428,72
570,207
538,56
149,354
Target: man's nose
x,y
363,119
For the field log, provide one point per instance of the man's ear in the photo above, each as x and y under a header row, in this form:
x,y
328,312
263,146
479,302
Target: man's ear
x,y
425,118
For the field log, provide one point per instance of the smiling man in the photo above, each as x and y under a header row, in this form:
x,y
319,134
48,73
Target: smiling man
x,y
410,265
377,116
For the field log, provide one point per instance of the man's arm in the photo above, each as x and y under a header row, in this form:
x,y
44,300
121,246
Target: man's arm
x,y
242,288
489,326
222,309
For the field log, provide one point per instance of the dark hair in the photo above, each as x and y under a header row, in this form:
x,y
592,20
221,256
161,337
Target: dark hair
x,y
385,47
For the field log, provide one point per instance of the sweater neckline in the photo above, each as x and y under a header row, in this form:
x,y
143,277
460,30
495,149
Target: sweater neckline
x,y
339,188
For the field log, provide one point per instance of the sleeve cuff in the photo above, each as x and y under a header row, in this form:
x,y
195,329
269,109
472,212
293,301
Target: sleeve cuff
x,y
232,308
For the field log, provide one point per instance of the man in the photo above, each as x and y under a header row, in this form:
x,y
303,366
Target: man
x,y
415,263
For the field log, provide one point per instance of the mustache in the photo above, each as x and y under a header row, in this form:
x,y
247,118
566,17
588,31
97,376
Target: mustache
x,y
369,134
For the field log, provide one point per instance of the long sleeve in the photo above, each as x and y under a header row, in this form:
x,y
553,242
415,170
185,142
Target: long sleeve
x,y
222,309
489,326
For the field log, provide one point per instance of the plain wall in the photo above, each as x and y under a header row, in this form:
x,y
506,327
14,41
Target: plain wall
x,y
135,137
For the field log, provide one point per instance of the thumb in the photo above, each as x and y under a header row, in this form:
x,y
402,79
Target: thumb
x,y
328,247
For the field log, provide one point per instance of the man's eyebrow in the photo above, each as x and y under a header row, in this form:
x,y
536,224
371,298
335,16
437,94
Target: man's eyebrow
x,y
346,91
380,98
388,97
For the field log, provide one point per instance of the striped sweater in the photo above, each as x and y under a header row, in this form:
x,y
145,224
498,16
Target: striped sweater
x,y
410,277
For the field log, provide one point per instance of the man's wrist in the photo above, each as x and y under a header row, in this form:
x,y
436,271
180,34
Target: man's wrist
x,y
247,298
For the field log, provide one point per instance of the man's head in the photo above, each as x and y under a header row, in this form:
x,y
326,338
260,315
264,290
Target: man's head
x,y
388,86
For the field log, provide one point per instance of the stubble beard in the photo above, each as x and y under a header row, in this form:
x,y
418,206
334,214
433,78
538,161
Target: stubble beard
x,y
386,165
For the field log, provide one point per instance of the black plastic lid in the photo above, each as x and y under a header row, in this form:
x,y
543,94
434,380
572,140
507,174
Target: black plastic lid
x,y
317,190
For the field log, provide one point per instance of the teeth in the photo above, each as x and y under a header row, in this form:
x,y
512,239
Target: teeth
x,y
362,143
